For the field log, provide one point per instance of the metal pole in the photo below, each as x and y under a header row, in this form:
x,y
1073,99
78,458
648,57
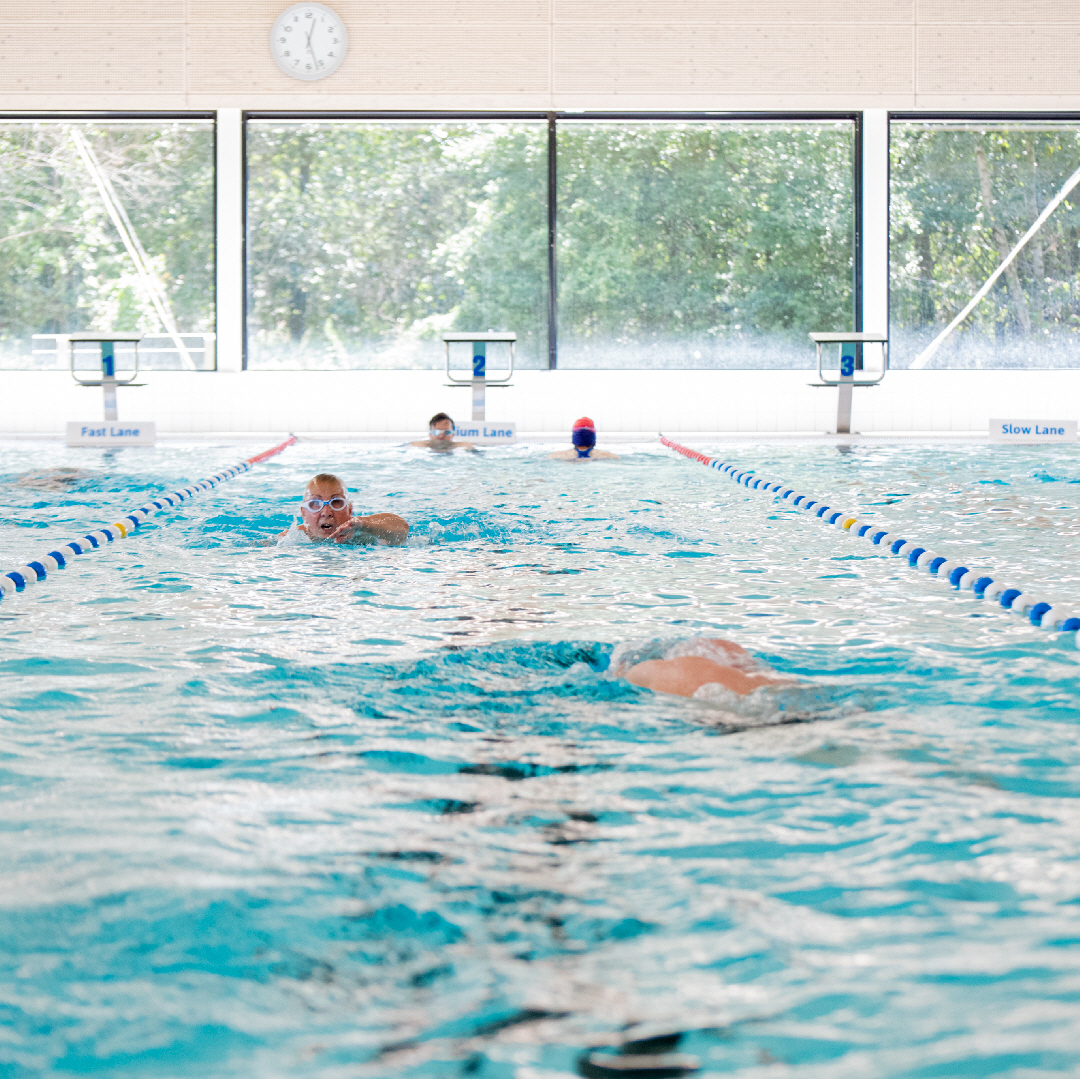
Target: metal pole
x,y
479,375
108,378
848,352
552,216
231,295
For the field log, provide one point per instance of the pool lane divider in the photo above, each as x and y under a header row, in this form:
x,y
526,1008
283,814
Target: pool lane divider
x,y
38,569
1039,611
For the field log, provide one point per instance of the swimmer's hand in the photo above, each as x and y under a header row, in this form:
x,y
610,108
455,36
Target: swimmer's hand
x,y
360,530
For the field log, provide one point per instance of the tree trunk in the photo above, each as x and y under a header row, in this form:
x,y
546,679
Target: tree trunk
x,y
1016,291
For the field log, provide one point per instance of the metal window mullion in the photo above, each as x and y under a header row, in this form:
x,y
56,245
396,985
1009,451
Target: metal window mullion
x,y
875,221
552,212
229,239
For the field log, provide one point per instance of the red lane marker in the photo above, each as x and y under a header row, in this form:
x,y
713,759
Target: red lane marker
x,y
694,455
272,451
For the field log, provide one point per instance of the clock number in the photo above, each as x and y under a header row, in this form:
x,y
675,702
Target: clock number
x,y
288,30
329,54
282,40
286,53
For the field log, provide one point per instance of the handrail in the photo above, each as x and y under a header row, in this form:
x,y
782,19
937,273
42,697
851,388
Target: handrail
x,y
62,341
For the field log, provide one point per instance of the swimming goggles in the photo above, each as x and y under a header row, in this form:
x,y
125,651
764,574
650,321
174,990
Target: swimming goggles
x,y
338,502
439,433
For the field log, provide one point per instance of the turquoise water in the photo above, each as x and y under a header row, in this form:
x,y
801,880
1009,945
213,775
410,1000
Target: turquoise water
x,y
283,810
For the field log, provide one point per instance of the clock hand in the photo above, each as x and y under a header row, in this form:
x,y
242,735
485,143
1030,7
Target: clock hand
x,y
309,45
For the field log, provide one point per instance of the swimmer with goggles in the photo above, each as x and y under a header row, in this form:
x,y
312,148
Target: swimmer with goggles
x,y
326,514
441,436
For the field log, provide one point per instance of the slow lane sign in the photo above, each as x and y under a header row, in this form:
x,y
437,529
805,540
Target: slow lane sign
x,y
1033,431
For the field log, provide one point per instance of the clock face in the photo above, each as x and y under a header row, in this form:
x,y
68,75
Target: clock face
x,y
308,41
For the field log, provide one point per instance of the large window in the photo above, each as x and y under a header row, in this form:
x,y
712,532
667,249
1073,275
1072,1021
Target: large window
x,y
367,240
962,194
107,225
677,244
703,244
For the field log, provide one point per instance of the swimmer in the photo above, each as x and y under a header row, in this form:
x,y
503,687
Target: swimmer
x,y
441,436
700,662
61,479
326,514
583,437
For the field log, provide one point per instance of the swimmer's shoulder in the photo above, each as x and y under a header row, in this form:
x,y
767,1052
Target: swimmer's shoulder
x,y
572,455
426,444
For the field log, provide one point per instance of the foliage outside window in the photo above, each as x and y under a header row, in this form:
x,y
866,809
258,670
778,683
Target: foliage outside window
x,y
367,240
63,263
962,194
715,245
679,244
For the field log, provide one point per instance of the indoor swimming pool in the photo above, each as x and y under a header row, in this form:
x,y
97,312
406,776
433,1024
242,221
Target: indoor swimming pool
x,y
284,809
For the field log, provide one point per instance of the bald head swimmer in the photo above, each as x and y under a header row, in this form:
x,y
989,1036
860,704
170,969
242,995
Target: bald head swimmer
x,y
583,437
326,514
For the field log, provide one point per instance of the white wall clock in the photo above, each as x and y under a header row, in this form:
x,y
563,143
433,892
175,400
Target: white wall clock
x,y
308,41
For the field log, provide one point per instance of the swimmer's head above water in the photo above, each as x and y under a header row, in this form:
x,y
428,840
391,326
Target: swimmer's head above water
x,y
326,513
583,438
441,435
325,506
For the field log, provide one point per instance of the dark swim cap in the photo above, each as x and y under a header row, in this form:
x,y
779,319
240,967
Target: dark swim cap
x,y
583,435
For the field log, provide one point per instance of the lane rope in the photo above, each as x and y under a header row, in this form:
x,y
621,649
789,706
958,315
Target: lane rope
x,y
38,569
1041,612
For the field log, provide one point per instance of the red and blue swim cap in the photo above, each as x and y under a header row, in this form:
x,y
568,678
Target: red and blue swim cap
x,y
583,435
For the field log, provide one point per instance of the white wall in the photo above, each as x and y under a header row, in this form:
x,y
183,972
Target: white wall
x,y
544,401
537,55
553,54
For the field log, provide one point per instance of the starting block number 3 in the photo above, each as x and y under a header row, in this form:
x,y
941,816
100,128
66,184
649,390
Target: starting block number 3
x,y
847,361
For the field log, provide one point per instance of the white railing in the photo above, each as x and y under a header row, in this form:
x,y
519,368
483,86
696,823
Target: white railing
x,y
201,346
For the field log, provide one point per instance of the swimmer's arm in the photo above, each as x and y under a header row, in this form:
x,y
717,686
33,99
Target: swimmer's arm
x,y
388,527
604,454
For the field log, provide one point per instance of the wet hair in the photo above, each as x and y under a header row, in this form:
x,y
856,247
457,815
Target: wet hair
x,y
325,478
438,418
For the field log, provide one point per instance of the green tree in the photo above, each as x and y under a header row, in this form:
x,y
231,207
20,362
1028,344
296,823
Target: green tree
x,y
961,196
62,263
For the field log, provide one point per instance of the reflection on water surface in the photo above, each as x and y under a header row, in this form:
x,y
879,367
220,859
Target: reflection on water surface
x,y
381,812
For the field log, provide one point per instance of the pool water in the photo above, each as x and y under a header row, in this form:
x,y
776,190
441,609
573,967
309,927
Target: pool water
x,y
277,809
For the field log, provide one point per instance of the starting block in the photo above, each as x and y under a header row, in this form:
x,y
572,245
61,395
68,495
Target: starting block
x,y
111,433
851,361
479,381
